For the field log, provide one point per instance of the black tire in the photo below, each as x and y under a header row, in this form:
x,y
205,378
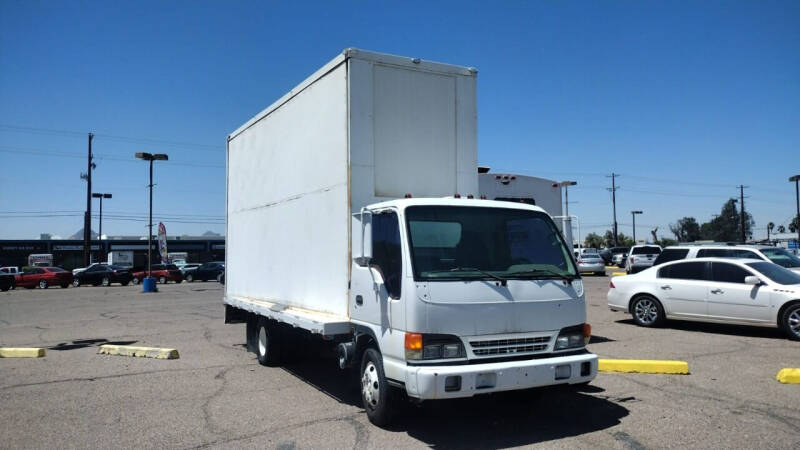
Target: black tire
x,y
267,343
64,285
189,278
378,398
125,283
5,288
76,282
600,274
43,284
162,280
790,322
250,334
647,311
136,280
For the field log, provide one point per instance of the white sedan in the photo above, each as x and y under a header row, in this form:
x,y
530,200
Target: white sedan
x,y
736,291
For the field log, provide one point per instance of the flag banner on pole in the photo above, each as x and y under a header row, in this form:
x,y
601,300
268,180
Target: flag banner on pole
x,y
162,243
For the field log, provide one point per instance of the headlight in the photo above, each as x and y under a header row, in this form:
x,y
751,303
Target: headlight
x,y
574,337
432,346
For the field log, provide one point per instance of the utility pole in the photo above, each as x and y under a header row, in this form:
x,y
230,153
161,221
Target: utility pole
x,y
613,190
87,218
796,179
741,204
633,215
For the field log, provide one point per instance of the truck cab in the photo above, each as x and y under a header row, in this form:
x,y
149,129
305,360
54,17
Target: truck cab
x,y
460,297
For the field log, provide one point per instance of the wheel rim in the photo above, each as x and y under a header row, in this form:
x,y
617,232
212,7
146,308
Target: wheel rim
x,y
794,322
370,387
646,311
189,278
162,280
105,282
43,284
263,341
76,283
135,281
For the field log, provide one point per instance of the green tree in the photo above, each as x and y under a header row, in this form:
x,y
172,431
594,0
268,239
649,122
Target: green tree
x,y
686,229
624,241
726,227
594,240
781,229
795,223
666,242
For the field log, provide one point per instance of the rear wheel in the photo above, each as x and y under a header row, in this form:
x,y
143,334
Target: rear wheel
x,y
377,396
105,281
189,277
76,282
791,322
267,343
647,311
162,280
136,280
43,284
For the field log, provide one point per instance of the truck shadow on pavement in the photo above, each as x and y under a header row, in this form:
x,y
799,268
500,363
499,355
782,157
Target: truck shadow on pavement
x,y
504,419
718,328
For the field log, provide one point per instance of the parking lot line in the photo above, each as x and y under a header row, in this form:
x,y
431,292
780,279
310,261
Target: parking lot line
x,y
10,352
789,376
140,352
643,366
618,274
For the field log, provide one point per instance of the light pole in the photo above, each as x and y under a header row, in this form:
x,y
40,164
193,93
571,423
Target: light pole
x,y
633,214
150,286
796,178
101,197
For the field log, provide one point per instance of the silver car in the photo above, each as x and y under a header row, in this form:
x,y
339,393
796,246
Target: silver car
x,y
591,262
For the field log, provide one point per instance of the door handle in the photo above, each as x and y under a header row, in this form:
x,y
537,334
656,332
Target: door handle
x,y
717,291
666,286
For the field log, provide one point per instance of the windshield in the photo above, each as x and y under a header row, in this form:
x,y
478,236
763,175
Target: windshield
x,y
456,242
776,273
646,251
781,257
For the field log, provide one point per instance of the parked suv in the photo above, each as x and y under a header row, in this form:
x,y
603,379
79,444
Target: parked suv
x,y
206,271
641,257
618,255
98,274
776,255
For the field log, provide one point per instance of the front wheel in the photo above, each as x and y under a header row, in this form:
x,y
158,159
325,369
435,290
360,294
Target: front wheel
x,y
377,396
647,311
189,278
135,280
791,322
43,284
105,282
162,280
76,282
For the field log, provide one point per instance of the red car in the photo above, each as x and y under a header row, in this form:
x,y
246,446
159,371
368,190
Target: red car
x,y
44,277
161,272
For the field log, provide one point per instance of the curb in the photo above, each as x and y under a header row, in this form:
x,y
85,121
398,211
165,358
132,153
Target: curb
x,y
789,376
10,352
619,274
139,352
643,366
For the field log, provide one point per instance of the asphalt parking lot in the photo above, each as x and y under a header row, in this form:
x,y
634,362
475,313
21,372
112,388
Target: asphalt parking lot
x,y
217,395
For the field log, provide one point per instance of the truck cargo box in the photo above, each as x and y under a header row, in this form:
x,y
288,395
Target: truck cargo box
x,y
364,128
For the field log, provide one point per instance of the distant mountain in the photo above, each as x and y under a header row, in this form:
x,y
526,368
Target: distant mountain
x,y
211,234
79,234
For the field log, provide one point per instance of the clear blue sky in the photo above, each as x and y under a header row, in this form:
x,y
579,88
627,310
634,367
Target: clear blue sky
x,y
685,100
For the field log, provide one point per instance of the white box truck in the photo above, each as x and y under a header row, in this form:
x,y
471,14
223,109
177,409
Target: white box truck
x,y
351,214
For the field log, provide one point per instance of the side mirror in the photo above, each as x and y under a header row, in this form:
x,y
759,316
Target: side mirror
x,y
364,259
752,280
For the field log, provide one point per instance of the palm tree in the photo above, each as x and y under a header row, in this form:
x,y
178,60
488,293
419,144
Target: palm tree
x,y
781,229
770,227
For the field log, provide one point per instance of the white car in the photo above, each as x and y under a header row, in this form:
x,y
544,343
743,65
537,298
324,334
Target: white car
x,y
641,257
779,256
736,291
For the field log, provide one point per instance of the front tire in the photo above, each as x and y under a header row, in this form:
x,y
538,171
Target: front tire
x,y
377,396
647,311
43,284
189,278
162,280
76,282
791,322
136,281
105,282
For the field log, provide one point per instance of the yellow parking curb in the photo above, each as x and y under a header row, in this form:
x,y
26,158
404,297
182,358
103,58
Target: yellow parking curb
x,y
9,352
643,366
789,376
140,352
611,267
619,274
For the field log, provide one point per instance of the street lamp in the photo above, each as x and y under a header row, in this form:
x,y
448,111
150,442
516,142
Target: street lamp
x,y
101,197
150,286
796,178
633,214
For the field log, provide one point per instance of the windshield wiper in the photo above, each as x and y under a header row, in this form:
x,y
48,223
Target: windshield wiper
x,y
502,280
566,278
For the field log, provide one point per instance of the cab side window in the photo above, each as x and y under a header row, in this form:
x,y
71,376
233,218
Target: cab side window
x,y
684,271
386,254
728,273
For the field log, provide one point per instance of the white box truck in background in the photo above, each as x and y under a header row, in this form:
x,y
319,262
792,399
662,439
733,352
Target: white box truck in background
x,y
121,258
351,215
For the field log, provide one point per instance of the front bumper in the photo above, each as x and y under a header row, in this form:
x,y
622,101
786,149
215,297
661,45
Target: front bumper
x,y
426,383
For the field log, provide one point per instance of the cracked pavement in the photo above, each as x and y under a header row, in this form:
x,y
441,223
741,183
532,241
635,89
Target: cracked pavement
x,y
218,396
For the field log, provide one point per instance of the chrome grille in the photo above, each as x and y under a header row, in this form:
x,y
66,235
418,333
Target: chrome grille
x,y
509,346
